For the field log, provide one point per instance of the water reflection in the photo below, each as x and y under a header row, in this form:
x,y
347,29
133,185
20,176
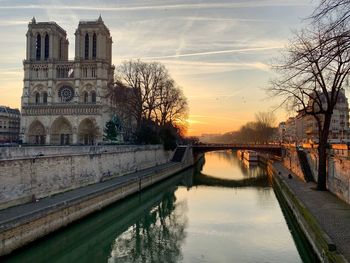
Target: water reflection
x,y
161,230
219,211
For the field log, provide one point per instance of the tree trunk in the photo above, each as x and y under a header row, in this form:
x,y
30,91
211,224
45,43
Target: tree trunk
x,y
322,167
322,153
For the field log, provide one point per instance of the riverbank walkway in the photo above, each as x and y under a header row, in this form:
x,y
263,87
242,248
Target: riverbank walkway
x,y
332,214
22,213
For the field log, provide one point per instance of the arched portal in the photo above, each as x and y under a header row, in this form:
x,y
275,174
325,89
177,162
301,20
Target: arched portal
x,y
87,132
61,132
36,133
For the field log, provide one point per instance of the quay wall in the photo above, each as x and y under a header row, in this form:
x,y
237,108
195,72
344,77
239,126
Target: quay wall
x,y
338,170
321,243
36,172
22,231
291,161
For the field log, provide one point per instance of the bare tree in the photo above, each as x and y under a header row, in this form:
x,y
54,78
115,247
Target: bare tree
x,y
265,125
335,12
313,71
172,105
146,92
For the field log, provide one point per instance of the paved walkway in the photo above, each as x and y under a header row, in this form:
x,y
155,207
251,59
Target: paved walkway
x,y
15,214
332,214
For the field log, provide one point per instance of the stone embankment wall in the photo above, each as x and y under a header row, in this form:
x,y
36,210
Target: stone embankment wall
x,y
37,172
338,170
339,177
21,229
291,161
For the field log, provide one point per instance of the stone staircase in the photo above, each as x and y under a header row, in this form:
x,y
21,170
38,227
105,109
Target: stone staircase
x,y
179,154
305,166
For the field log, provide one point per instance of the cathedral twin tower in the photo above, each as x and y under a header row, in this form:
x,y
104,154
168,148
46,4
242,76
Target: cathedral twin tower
x,y
63,100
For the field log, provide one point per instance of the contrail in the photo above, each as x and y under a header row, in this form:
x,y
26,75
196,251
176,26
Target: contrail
x,y
215,52
252,4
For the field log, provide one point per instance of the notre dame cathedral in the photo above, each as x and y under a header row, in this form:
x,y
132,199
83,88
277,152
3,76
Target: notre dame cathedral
x,y
63,100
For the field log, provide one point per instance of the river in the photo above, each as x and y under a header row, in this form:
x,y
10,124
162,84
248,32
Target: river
x,y
219,211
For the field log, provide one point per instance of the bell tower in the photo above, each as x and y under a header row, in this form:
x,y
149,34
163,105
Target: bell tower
x,y
93,41
46,41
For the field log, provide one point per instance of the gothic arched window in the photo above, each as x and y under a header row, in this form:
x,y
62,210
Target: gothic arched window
x,y
45,97
93,97
37,98
86,97
38,47
86,46
94,43
47,45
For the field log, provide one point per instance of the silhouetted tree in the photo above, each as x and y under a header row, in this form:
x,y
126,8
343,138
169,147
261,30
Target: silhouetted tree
x,y
146,92
312,73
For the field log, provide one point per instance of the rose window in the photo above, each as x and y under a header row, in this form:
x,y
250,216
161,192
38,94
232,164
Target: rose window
x,y
66,93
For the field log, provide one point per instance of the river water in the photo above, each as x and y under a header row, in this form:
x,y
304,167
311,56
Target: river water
x,y
219,211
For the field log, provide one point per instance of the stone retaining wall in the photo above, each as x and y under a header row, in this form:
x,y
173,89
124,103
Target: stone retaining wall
x,y
20,232
338,170
37,172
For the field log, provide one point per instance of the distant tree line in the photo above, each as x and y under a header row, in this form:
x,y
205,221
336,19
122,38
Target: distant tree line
x,y
151,106
261,130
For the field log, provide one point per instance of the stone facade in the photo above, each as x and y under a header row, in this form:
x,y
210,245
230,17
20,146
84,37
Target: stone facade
x,y
9,124
63,100
304,128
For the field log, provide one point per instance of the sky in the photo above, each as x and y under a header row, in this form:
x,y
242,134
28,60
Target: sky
x,y
218,51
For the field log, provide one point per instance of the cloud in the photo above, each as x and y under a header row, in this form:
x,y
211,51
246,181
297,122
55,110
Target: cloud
x,y
13,22
183,67
109,8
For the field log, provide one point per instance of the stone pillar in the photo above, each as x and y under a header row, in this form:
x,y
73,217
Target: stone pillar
x,y
98,45
82,46
29,45
98,94
75,137
77,45
76,94
48,139
49,95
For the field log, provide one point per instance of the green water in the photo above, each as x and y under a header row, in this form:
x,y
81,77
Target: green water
x,y
220,211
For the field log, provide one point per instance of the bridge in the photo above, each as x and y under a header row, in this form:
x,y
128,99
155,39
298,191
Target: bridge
x,y
267,148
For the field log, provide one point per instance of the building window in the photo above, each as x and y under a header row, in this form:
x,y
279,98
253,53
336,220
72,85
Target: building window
x,y
93,97
85,97
45,97
94,42
37,98
86,46
85,72
38,47
47,46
